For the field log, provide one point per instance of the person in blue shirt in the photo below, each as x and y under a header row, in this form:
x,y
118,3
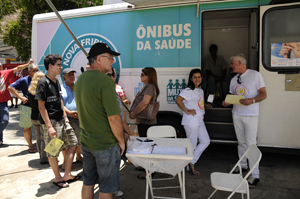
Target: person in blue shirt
x,y
25,108
68,97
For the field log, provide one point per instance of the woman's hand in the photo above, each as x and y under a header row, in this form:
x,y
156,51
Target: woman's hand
x,y
132,116
191,112
208,105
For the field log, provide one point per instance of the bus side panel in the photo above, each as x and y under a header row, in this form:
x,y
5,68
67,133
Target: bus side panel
x,y
279,117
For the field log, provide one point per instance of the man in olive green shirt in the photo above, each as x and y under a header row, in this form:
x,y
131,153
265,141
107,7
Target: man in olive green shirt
x,y
101,136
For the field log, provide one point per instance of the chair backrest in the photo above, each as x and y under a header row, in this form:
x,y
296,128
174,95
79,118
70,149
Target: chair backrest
x,y
253,155
161,131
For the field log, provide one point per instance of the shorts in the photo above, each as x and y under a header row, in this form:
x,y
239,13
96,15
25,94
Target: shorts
x,y
25,117
74,122
102,167
64,132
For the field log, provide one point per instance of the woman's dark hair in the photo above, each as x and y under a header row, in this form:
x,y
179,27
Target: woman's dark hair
x,y
151,73
191,85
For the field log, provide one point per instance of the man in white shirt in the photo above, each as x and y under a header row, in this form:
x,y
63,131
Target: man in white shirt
x,y
250,84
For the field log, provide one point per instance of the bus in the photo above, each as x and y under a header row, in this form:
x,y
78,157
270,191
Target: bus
x,y
174,37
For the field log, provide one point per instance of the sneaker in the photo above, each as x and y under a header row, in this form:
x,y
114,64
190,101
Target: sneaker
x,y
253,181
237,170
118,193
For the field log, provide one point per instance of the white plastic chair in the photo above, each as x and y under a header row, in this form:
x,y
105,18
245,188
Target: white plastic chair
x,y
235,183
163,131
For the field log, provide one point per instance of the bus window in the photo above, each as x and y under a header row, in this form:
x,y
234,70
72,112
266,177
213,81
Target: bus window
x,y
281,39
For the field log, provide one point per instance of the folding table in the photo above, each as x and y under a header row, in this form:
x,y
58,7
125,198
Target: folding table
x,y
164,163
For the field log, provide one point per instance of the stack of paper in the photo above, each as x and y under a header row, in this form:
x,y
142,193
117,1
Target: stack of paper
x,y
169,150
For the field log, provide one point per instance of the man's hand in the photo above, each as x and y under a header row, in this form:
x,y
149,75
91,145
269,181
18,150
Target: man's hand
x,y
122,146
225,104
246,101
127,136
73,114
24,100
52,132
30,61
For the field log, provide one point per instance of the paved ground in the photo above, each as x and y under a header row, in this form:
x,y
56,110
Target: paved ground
x,y
21,175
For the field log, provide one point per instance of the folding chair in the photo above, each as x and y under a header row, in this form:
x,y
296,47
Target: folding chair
x,y
235,183
163,131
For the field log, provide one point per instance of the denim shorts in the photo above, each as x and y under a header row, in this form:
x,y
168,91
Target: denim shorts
x,y
102,167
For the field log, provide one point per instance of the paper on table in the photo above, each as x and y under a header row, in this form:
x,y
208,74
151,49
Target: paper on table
x,y
169,150
234,99
54,146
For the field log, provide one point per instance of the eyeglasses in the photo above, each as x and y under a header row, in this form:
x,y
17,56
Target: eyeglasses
x,y
109,74
57,64
109,57
239,80
143,74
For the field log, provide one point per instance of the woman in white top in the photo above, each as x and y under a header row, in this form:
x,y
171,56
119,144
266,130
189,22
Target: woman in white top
x,y
191,102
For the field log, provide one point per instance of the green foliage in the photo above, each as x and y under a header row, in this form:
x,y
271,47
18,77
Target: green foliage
x,y
16,19
7,7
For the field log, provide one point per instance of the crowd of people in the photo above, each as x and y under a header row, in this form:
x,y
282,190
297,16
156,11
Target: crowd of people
x,y
74,112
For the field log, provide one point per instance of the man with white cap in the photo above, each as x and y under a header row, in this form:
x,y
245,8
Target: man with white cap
x,y
68,97
101,135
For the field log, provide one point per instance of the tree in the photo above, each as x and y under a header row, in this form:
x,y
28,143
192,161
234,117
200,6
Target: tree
x,y
16,19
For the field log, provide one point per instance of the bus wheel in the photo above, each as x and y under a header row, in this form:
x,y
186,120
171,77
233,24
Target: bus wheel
x,y
173,121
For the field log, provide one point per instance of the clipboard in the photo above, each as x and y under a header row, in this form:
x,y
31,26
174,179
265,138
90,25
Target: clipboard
x,y
53,147
234,99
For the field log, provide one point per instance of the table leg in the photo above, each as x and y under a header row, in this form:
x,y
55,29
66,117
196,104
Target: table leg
x,y
180,183
149,184
183,183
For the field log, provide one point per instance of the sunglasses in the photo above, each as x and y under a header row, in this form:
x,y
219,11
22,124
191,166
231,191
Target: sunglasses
x,y
143,74
239,81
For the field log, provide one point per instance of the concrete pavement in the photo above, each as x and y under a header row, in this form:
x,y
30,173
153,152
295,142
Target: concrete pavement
x,y
22,176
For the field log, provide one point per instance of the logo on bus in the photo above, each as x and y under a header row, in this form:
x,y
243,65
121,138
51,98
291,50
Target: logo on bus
x,y
139,88
174,89
74,58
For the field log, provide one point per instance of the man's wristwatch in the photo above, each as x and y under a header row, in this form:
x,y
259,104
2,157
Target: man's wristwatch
x,y
132,114
253,101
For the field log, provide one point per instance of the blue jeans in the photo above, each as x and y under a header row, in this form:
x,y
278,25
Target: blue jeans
x,y
102,167
4,116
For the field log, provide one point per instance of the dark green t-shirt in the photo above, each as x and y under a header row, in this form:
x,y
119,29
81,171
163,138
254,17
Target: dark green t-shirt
x,y
96,100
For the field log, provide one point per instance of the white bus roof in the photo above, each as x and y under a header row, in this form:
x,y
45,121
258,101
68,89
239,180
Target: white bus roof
x,y
95,10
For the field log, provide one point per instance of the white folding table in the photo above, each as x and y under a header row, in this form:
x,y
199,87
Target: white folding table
x,y
164,163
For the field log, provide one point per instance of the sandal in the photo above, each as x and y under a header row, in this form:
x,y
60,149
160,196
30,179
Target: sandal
x,y
193,170
61,184
32,150
74,179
